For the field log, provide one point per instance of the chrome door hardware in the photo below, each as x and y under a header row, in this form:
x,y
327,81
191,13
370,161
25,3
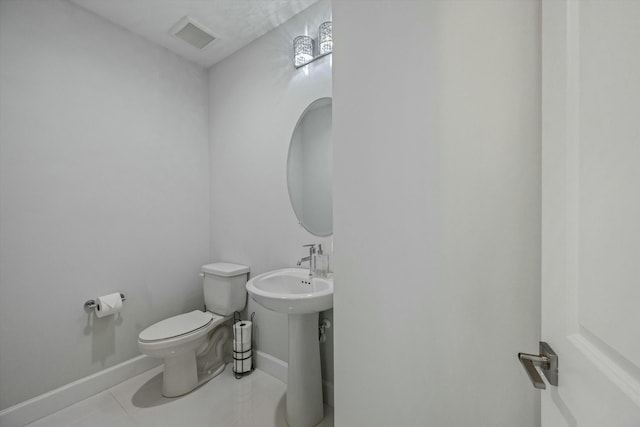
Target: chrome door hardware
x,y
547,360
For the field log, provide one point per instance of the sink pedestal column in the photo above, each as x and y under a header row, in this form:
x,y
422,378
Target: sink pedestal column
x,y
304,380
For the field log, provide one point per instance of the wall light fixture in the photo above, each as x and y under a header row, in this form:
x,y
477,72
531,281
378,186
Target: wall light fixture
x,y
325,38
302,50
303,46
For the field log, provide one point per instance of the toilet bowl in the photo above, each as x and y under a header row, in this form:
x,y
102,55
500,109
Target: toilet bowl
x,y
192,344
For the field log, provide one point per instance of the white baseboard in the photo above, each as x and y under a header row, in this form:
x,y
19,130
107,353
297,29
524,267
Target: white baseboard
x,y
273,366
40,406
278,369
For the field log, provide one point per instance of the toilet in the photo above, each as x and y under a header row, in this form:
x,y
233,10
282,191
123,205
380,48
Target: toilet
x,y
192,344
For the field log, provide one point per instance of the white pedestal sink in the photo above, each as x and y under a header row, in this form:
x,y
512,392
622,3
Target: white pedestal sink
x,y
291,291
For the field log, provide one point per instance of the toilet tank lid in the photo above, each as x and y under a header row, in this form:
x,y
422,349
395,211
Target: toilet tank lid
x,y
225,269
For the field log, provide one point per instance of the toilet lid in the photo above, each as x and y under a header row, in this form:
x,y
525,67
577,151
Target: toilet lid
x,y
176,325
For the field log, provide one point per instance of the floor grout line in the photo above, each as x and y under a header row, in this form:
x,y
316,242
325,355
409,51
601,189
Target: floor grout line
x,y
126,413
118,401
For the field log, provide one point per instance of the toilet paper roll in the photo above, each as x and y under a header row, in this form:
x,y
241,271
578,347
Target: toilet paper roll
x,y
108,304
242,366
242,331
241,355
241,346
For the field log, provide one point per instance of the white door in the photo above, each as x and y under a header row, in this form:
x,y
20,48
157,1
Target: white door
x,y
591,210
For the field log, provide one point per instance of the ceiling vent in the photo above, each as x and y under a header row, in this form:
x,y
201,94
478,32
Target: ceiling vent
x,y
192,32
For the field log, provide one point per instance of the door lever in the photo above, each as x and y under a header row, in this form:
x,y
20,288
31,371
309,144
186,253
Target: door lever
x,y
547,360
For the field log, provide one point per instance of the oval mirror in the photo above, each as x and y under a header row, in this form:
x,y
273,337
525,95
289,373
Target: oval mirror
x,y
309,169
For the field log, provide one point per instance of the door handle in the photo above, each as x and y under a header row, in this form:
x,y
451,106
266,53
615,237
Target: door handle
x,y
547,360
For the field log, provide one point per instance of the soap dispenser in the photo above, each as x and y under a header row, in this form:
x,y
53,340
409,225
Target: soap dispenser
x,y
321,264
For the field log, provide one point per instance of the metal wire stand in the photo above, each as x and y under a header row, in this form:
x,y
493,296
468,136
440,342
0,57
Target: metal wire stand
x,y
242,356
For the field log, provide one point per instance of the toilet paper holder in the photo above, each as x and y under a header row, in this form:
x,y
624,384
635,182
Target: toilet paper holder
x,y
242,356
91,304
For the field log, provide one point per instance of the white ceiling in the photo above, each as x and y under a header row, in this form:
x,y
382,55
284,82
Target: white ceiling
x,y
234,23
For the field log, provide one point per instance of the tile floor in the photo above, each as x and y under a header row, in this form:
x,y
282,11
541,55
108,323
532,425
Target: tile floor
x,y
256,400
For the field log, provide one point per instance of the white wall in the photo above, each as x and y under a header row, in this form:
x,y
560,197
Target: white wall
x,y
103,187
256,98
436,211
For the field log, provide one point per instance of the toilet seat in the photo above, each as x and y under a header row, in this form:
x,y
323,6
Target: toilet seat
x,y
176,326
188,332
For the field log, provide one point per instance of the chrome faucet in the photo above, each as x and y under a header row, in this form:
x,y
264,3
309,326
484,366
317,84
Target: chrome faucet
x,y
312,251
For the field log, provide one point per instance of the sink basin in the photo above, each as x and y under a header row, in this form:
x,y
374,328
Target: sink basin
x,y
292,291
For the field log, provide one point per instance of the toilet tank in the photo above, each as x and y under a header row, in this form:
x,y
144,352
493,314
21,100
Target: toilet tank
x,y
225,287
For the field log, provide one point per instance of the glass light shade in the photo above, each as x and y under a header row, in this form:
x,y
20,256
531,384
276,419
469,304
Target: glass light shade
x,y
302,50
325,38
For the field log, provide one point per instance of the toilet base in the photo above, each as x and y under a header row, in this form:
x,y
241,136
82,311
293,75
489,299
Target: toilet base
x,y
209,375
180,374
171,388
